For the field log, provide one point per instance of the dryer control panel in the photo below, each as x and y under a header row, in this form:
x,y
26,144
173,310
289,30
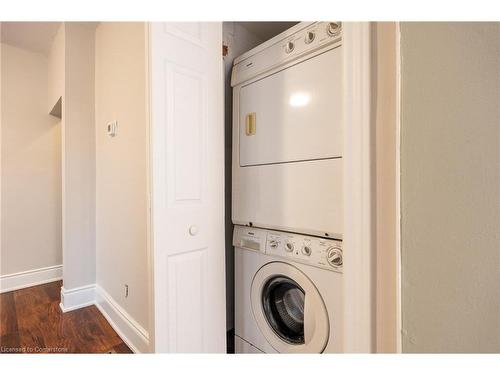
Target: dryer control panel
x,y
315,251
298,42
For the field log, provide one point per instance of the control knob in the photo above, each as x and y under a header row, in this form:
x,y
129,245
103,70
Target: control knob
x,y
289,247
309,37
334,257
273,244
306,250
289,47
333,28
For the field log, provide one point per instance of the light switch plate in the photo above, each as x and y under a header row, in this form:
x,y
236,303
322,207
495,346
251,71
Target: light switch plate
x,y
112,128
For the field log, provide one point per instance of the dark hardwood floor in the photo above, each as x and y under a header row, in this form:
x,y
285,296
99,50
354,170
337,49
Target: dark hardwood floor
x,y
32,322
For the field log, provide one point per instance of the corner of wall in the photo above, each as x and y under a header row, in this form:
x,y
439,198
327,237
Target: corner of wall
x,y
79,156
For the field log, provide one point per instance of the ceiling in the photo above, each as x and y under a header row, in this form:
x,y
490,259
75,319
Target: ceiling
x,y
266,30
33,36
38,36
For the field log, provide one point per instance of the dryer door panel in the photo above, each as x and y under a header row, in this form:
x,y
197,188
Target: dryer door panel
x,y
294,114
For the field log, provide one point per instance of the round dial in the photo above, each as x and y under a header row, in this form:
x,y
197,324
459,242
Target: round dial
x,y
334,257
309,37
306,250
333,28
289,247
289,47
273,244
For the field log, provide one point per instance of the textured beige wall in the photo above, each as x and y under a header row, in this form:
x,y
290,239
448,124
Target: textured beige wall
x,y
450,187
385,150
31,165
122,166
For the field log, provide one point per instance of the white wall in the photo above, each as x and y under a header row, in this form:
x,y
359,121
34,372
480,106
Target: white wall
x,y
122,167
450,186
56,68
239,40
30,165
78,149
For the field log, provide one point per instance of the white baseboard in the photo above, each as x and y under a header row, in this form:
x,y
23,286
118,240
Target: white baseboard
x,y
25,279
72,299
130,331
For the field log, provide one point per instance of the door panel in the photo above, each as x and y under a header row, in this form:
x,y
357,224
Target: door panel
x,y
186,301
185,92
297,113
188,191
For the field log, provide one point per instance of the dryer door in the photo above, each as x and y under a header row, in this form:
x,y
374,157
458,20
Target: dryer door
x,y
289,309
293,115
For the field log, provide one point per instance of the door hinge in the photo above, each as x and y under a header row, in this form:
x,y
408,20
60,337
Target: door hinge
x,y
225,50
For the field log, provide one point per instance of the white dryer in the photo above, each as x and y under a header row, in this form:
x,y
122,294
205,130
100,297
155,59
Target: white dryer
x,y
288,292
288,131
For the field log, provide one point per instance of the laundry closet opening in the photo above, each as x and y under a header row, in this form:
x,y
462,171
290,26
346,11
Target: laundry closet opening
x,y
284,148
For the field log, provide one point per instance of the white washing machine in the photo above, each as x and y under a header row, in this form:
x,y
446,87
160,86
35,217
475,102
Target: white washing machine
x,y
288,292
287,132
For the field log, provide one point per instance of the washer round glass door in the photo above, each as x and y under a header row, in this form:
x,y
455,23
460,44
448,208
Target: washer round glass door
x,y
283,303
289,309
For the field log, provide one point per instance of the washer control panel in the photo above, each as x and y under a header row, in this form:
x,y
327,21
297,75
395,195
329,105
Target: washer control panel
x,y
315,251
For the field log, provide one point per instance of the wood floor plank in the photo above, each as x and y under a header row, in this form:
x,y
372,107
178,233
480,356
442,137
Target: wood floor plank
x,y
8,341
121,349
52,290
29,297
8,320
32,322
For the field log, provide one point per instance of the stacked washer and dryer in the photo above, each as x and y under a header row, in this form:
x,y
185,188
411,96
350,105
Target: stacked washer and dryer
x,y
287,192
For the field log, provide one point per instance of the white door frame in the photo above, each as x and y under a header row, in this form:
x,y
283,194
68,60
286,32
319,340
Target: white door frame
x,y
359,234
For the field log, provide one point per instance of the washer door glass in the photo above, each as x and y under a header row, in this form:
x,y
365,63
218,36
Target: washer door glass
x,y
289,310
283,303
